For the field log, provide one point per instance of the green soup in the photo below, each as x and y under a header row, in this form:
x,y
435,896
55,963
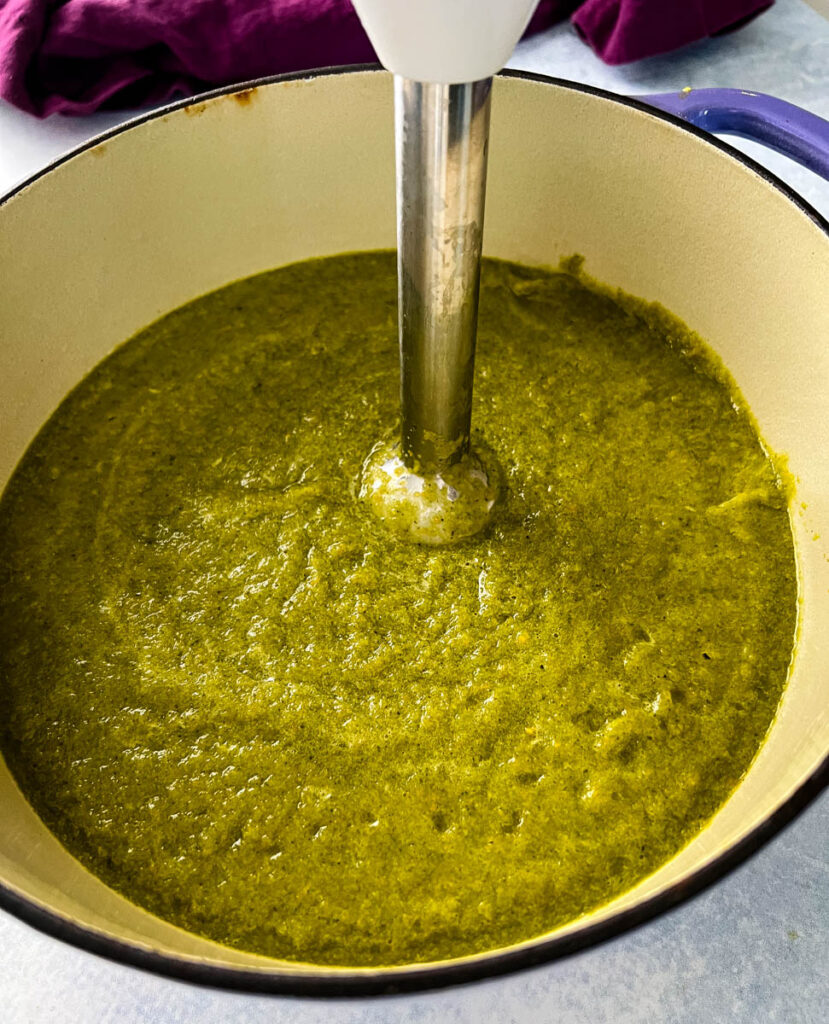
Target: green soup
x,y
243,705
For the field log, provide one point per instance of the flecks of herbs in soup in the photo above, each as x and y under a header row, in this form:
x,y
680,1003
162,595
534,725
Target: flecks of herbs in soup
x,y
243,705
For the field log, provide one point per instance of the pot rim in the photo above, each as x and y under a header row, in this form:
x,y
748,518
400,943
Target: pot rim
x,y
341,982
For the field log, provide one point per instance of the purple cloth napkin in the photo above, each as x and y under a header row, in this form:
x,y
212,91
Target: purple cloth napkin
x,y
77,56
621,31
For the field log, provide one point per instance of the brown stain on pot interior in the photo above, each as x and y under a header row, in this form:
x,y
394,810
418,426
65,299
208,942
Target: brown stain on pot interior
x,y
195,109
243,98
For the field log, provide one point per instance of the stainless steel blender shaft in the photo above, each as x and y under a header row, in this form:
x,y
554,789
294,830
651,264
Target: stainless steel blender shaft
x,y
441,142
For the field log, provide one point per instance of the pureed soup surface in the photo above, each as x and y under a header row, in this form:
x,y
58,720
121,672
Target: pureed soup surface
x,y
242,704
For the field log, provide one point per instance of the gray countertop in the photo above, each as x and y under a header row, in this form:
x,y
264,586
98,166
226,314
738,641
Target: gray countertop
x,y
753,948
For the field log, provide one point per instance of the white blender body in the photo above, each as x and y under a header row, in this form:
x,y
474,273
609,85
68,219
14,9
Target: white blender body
x,y
444,41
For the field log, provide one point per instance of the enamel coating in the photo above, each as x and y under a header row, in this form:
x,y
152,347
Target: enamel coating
x,y
185,199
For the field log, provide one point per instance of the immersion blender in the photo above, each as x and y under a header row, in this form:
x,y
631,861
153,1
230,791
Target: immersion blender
x,y
431,486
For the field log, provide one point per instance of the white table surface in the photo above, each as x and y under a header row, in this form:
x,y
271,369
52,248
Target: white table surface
x,y
752,949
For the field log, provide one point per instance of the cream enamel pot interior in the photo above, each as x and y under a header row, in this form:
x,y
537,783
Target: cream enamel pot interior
x,y
199,194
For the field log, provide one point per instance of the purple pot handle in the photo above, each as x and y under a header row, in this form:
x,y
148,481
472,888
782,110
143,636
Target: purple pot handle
x,y
781,126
